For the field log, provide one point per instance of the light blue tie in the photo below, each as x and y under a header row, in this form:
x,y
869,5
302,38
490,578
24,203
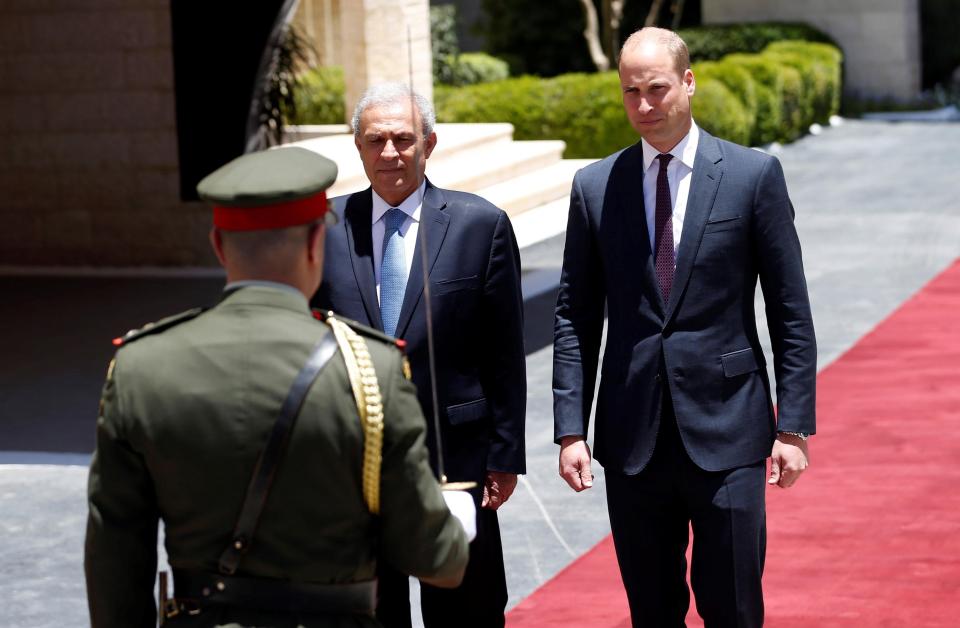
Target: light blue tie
x,y
393,271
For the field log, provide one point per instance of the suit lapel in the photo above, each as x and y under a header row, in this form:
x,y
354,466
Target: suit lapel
x,y
357,216
433,226
635,219
703,190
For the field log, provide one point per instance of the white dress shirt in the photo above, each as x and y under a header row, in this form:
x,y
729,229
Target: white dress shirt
x,y
679,174
408,229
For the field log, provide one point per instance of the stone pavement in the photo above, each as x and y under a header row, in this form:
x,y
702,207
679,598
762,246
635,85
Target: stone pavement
x,y
878,211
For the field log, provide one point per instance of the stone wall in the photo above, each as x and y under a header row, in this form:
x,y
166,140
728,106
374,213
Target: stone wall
x,y
368,38
880,38
319,22
88,156
89,173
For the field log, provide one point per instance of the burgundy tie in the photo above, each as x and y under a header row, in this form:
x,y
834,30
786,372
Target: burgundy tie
x,y
663,228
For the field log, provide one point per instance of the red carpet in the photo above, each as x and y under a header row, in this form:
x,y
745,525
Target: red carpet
x,y
870,536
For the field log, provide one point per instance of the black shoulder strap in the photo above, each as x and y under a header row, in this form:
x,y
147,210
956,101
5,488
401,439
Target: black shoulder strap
x,y
272,454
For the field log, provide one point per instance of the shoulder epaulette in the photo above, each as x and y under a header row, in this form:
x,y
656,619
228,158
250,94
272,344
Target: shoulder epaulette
x,y
161,325
362,329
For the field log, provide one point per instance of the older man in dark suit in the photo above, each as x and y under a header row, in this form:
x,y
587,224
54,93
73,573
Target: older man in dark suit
x,y
671,235
374,274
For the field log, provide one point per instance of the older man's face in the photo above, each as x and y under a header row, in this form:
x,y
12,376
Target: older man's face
x,y
390,137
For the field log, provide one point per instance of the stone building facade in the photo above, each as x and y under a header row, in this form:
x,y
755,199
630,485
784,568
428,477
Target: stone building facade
x,y
369,39
89,172
88,156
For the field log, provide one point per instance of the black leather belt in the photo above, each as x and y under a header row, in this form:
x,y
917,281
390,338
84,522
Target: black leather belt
x,y
265,594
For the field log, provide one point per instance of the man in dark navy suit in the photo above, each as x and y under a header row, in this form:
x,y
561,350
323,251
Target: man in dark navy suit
x,y
374,274
671,235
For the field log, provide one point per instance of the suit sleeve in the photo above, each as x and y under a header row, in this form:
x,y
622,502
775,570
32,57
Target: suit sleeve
x,y
787,304
120,555
503,365
418,535
578,324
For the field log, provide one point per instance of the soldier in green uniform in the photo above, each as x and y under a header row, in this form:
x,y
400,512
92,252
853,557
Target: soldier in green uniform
x,y
280,485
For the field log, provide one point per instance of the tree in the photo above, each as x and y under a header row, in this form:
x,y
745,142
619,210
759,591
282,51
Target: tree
x,y
591,34
653,13
612,19
550,38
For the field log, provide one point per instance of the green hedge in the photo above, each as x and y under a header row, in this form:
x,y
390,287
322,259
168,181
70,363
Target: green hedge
x,y
584,110
450,67
739,84
715,41
746,98
778,113
824,78
319,97
470,68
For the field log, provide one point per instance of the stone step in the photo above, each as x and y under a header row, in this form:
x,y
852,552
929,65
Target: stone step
x,y
536,188
453,139
540,223
488,165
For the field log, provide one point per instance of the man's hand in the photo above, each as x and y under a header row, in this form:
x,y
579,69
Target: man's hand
x,y
497,489
575,462
790,457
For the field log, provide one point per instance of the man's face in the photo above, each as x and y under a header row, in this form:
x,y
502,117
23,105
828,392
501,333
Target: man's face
x,y
655,95
388,143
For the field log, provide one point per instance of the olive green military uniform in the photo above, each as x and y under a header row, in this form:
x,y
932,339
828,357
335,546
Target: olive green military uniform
x,y
184,415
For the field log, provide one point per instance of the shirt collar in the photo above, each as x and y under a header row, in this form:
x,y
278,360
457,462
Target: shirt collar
x,y
685,151
410,205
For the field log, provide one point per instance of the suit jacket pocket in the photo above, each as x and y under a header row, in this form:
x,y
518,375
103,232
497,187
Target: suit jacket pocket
x,y
739,362
446,286
461,413
721,223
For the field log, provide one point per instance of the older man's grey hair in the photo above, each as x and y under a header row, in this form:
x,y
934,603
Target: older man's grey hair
x,y
389,94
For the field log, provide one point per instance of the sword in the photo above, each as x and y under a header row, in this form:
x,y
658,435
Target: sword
x,y
425,270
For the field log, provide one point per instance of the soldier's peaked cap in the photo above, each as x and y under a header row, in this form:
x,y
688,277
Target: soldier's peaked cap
x,y
272,189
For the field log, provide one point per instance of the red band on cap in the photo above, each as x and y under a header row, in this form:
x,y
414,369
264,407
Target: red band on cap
x,y
276,216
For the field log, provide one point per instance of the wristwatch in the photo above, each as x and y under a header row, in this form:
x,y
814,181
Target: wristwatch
x,y
799,435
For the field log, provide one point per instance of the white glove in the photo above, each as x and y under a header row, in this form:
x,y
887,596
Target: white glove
x,y
462,507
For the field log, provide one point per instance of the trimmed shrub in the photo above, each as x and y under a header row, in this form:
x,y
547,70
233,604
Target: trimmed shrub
x,y
746,98
741,85
319,97
825,79
471,68
584,110
712,42
720,112
778,113
449,66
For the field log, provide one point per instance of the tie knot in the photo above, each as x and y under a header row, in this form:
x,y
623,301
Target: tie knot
x,y
393,219
665,159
